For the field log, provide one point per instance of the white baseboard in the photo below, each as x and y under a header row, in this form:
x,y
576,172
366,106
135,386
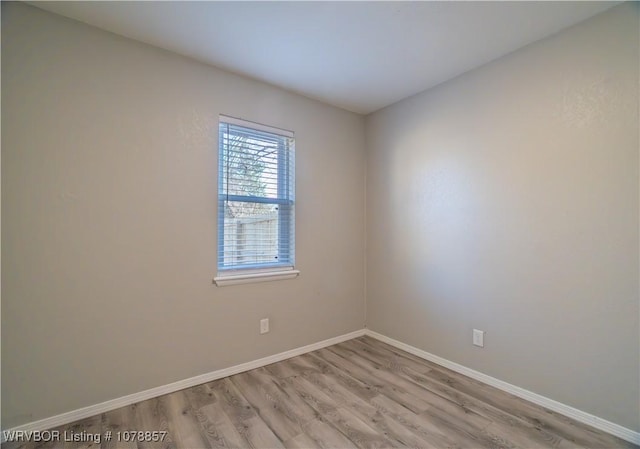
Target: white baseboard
x,y
566,410
103,407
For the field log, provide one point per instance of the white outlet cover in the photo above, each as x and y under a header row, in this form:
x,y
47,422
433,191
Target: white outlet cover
x,y
478,338
264,325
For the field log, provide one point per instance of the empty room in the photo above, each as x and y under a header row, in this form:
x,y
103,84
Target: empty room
x,y
320,224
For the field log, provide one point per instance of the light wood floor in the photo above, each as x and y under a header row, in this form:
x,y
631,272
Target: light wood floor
x,y
361,393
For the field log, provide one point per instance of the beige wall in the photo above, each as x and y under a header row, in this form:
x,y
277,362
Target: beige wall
x,y
507,200
109,156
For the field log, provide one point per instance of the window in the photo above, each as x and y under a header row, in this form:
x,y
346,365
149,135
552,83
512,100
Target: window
x,y
256,229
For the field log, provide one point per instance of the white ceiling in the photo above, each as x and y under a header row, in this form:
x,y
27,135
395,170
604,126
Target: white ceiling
x,y
360,56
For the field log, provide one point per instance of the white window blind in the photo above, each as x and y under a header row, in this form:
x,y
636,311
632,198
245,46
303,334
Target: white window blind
x,y
256,201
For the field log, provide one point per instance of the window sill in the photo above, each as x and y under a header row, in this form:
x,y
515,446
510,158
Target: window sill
x,y
223,280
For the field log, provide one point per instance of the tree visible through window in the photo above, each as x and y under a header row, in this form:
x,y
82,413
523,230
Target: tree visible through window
x,y
256,196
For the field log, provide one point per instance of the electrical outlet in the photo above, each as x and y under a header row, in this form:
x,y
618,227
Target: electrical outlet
x,y
478,338
264,325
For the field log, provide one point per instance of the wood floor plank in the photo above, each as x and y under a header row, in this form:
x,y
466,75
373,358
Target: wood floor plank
x,y
287,398
414,403
232,401
327,436
361,393
362,389
199,396
358,431
151,415
259,435
295,366
321,400
346,419
392,361
510,424
382,418
465,432
427,431
395,432
396,380
218,428
118,420
533,414
243,416
529,440
183,423
301,441
374,343
82,434
269,405
469,406
549,426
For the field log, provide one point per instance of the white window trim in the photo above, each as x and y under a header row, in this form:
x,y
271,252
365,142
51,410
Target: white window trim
x,y
250,277
257,126
261,274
